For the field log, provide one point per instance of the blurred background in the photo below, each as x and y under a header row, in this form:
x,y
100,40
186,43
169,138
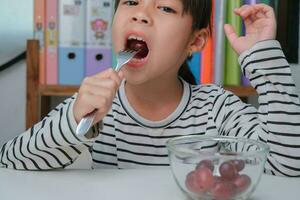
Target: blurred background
x,y
16,26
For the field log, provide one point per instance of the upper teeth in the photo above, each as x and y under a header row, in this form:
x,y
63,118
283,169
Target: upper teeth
x,y
133,37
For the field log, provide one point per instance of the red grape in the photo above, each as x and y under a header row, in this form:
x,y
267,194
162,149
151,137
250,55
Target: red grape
x,y
239,164
227,170
206,163
200,180
192,183
205,177
217,179
222,187
223,190
242,182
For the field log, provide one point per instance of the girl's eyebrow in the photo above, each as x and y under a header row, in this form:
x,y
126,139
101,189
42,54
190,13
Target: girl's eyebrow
x,y
179,1
176,2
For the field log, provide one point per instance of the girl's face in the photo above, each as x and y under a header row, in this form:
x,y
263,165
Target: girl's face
x,y
165,32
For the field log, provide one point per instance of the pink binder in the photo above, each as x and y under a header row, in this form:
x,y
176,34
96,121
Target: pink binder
x,y
51,42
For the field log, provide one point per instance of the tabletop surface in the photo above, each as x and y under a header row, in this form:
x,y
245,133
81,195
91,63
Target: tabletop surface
x,y
131,184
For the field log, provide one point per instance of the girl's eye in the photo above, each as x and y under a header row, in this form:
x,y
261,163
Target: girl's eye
x,y
130,3
167,9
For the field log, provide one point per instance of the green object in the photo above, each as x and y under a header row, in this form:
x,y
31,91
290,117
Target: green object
x,y
232,67
265,2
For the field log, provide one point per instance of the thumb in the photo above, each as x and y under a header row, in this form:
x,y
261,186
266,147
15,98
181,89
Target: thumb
x,y
230,33
121,74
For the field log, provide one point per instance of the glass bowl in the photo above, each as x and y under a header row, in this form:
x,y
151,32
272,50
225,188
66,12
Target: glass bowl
x,y
218,168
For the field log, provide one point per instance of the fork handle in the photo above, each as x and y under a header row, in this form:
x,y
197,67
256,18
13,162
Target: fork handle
x,y
117,68
86,123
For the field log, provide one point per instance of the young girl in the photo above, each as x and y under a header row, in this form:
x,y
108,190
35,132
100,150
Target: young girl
x,y
151,100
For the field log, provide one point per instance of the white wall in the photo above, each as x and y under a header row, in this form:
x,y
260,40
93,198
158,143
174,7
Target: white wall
x,y
16,25
12,101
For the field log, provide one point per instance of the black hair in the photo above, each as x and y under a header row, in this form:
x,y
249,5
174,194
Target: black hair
x,y
201,11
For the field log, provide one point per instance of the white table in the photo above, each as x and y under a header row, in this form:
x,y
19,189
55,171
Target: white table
x,y
102,184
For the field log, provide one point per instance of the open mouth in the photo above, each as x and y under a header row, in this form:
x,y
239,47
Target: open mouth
x,y
137,44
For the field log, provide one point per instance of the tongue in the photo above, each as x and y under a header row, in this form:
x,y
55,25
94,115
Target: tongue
x,y
138,46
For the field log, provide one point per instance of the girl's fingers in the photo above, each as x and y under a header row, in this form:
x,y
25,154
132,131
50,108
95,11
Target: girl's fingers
x,y
104,74
106,83
100,90
265,9
92,102
260,15
121,74
246,11
253,17
230,33
243,8
254,12
248,21
110,80
109,73
97,92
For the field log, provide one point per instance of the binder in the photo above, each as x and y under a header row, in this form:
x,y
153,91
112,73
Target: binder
x,y
207,63
71,50
219,58
51,42
195,66
265,1
39,34
98,36
232,67
250,2
208,56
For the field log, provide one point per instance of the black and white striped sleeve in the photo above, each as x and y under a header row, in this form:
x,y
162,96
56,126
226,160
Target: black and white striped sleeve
x,y
277,120
49,144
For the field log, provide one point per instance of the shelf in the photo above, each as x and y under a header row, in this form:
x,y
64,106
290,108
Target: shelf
x,y
242,91
58,90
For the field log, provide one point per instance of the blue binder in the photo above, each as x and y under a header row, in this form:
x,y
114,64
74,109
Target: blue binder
x,y
71,66
195,65
71,50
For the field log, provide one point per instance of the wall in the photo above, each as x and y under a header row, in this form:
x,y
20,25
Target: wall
x,y
16,21
12,102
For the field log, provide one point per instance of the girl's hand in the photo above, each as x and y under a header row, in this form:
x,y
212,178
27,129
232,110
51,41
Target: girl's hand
x,y
97,92
260,25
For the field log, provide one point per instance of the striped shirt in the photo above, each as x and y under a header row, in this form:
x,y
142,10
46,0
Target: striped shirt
x,y
124,139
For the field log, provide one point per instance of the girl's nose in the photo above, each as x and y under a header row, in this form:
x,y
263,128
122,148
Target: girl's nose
x,y
142,20
141,17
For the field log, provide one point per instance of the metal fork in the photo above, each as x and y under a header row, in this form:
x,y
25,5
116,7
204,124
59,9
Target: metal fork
x,y
85,123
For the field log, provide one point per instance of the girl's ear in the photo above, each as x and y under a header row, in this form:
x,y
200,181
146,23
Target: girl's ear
x,y
199,40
